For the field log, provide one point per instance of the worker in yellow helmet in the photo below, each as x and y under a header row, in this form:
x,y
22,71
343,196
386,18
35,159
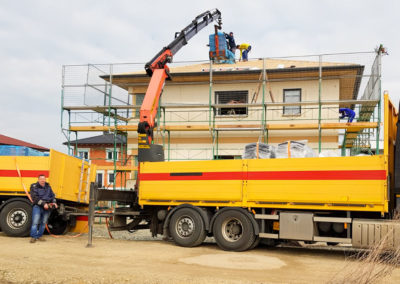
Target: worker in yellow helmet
x,y
244,51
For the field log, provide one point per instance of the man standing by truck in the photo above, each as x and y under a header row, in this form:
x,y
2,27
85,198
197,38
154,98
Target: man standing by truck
x,y
43,199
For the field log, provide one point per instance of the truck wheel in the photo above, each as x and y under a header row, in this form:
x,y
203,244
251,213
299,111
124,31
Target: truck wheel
x,y
56,225
187,228
233,231
16,219
256,243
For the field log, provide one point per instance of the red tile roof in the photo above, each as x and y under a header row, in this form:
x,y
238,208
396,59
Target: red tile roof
x,y
5,140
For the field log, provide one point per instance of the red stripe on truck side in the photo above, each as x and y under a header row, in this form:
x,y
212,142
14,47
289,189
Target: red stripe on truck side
x,y
272,175
82,218
24,173
319,175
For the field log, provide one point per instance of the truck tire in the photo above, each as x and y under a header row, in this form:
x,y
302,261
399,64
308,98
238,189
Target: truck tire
x,y
57,225
233,231
16,219
187,228
256,243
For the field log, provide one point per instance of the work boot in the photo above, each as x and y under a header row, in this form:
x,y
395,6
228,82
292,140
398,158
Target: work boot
x,y
32,240
41,239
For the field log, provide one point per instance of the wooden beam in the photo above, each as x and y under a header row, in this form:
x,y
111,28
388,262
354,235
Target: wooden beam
x,y
351,127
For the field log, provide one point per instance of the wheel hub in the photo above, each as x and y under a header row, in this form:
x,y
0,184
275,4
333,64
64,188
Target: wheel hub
x,y
232,230
17,218
185,226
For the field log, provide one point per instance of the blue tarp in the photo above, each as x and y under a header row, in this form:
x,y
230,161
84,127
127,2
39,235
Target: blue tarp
x,y
222,45
7,150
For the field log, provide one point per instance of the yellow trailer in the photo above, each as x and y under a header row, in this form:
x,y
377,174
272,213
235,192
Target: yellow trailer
x,y
332,199
68,176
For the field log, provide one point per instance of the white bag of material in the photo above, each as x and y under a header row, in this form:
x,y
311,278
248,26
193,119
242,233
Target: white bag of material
x,y
294,149
330,153
259,151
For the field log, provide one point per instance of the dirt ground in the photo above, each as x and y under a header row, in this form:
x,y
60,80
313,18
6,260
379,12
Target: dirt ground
x,y
137,258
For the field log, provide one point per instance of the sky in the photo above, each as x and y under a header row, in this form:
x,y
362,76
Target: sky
x,y
38,37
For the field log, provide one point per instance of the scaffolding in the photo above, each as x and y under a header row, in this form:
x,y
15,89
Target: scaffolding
x,y
98,98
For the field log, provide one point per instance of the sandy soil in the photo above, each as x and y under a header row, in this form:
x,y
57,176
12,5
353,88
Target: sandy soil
x,y
137,258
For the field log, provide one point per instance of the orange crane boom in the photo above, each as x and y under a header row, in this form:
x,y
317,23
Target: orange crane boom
x,y
158,70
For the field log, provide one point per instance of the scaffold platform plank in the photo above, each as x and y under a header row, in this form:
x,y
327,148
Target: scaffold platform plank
x,y
350,127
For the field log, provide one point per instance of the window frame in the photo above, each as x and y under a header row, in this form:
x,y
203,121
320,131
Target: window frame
x,y
83,150
102,178
284,100
111,150
219,110
108,178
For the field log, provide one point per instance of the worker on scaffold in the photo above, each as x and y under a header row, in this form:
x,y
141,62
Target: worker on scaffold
x,y
346,112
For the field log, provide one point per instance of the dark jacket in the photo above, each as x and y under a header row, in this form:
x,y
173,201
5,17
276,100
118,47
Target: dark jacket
x,y
231,41
42,194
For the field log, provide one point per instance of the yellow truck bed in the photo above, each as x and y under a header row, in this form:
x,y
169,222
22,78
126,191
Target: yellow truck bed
x,y
339,183
68,176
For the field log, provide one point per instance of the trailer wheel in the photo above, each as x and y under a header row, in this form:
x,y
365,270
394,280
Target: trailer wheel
x,y
187,228
233,231
16,219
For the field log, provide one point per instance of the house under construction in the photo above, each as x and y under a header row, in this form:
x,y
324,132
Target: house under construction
x,y
211,111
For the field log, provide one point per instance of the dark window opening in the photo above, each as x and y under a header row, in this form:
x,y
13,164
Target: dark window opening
x,y
232,97
111,178
99,180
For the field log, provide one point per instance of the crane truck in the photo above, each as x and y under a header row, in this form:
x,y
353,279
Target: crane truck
x,y
348,200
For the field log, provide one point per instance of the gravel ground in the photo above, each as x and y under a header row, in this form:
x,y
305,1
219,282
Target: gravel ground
x,y
139,258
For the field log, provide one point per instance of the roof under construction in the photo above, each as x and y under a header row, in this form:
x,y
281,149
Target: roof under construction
x,y
349,74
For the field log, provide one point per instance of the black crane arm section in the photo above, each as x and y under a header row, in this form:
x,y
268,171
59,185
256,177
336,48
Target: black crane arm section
x,y
181,39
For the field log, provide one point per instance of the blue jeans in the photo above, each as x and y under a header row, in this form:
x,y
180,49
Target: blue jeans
x,y
245,55
39,220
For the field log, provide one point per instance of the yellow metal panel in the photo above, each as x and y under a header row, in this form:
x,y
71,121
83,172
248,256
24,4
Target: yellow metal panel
x,y
65,177
320,191
191,190
225,191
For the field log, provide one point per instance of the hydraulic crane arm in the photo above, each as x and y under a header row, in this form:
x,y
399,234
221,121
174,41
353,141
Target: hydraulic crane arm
x,y
158,70
181,38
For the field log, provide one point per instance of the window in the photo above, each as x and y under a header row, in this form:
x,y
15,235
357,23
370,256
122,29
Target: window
x,y
138,101
291,96
232,97
99,179
110,177
110,154
83,153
